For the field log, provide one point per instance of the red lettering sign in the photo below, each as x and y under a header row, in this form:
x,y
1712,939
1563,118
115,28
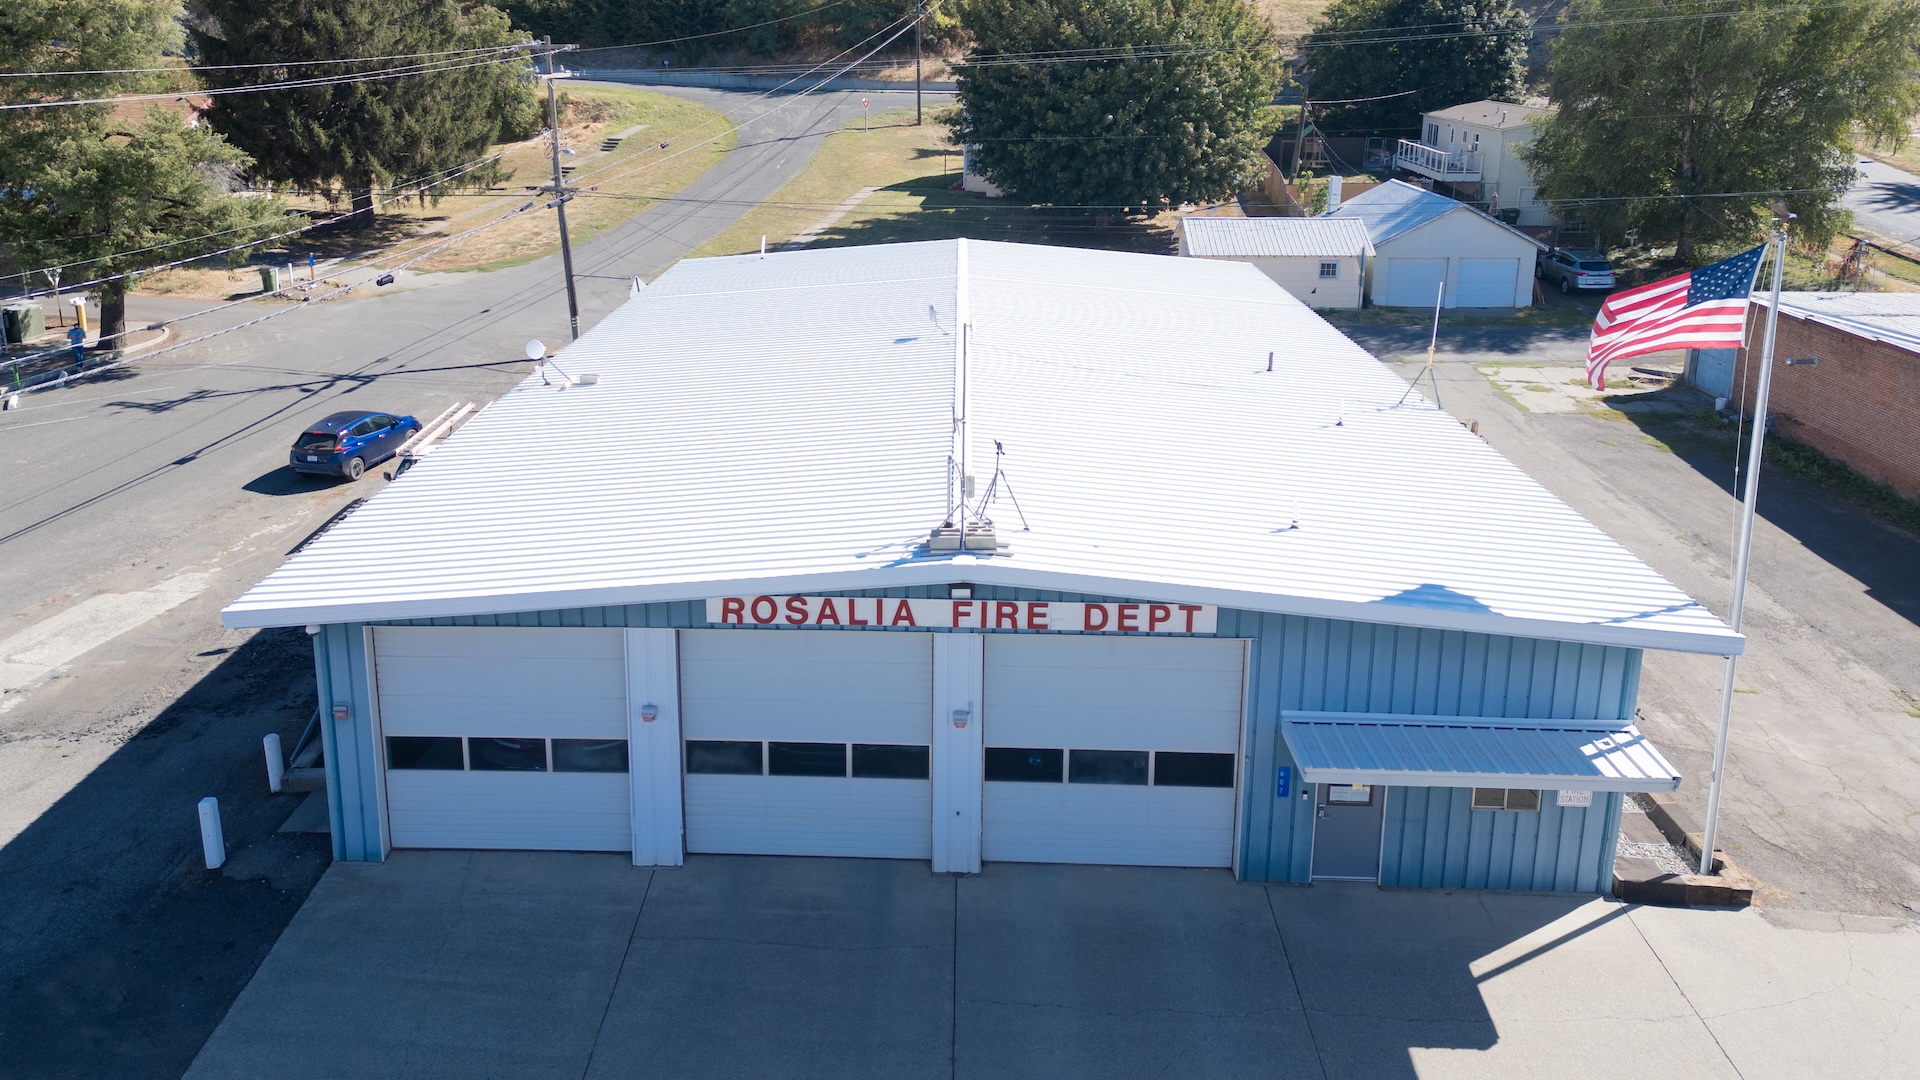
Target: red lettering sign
x,y
1128,621
903,615
1095,617
962,609
797,610
828,613
1006,615
853,614
733,610
772,609
1191,610
1037,615
1157,614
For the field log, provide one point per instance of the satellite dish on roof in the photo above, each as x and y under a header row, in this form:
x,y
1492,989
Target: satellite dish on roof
x,y
536,349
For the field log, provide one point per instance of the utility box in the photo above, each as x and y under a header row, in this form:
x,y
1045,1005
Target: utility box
x,y
24,322
269,279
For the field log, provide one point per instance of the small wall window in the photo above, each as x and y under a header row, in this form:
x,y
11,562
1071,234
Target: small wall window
x,y
1173,769
876,762
590,755
712,756
1350,794
806,759
1024,765
416,752
1493,798
1329,271
1107,767
507,755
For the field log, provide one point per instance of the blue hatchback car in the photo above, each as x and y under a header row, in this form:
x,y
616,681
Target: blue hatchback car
x,y
345,443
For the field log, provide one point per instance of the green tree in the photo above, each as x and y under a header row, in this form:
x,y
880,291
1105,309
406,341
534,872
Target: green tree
x,y
1381,63
1175,108
1678,127
94,184
363,135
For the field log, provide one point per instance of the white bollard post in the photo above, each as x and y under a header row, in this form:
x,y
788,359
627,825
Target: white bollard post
x,y
212,840
276,765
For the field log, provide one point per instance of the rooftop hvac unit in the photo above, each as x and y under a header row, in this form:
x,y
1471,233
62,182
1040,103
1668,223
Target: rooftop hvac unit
x,y
979,537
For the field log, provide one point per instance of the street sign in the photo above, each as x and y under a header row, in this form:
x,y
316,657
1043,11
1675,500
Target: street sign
x,y
866,117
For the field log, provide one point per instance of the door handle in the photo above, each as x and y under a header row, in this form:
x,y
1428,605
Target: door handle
x,y
1322,811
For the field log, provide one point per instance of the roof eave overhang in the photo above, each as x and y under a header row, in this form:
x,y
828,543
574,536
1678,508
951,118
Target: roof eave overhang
x,y
1543,781
988,570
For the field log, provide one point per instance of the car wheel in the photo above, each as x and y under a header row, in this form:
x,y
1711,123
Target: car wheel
x,y
1566,287
356,468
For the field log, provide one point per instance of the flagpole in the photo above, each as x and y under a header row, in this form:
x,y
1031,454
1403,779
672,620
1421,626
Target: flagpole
x,y
1744,550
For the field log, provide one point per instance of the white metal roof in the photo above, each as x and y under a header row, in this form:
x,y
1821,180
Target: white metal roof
x,y
784,424
1273,237
1472,751
1493,114
1397,207
1890,317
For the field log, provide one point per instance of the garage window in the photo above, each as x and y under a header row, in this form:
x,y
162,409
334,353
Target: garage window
x,y
1172,769
1107,767
806,759
724,758
1493,798
1024,765
507,755
1329,271
416,752
590,755
876,762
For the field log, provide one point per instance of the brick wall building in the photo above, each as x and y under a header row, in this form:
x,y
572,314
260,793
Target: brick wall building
x,y
1860,405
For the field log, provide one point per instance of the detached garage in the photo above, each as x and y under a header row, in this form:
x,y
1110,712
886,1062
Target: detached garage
x,y
782,600
1429,247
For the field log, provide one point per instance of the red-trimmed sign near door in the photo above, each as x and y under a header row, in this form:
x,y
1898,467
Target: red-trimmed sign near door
x,y
892,613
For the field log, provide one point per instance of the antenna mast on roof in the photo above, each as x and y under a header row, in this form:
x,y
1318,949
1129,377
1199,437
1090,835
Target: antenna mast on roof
x,y
1432,342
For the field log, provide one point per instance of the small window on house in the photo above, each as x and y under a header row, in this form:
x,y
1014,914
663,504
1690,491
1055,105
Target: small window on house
x,y
1493,798
1329,271
1433,134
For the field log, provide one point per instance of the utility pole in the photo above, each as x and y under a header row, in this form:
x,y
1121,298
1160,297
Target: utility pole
x,y
560,196
919,13
1300,141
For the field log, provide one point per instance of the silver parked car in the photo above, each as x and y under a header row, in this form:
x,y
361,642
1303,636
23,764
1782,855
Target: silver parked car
x,y
1576,270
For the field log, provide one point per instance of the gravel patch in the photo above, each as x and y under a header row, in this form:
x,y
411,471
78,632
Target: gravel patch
x,y
1667,857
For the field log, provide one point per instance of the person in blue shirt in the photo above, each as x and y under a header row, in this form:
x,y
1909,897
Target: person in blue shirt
x,y
77,338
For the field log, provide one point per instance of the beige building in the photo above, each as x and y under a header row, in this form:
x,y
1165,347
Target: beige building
x,y
1431,247
1321,261
1471,152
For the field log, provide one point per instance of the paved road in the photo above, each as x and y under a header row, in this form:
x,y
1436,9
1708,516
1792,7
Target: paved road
x,y
138,505
834,968
1886,200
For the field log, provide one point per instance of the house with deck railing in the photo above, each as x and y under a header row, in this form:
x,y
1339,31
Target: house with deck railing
x,y
1471,152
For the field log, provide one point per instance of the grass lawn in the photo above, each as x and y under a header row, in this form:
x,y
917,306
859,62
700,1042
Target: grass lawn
x,y
914,168
406,228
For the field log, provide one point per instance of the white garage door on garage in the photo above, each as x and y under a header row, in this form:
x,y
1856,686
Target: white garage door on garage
x,y
505,737
1414,282
1487,282
1111,750
808,742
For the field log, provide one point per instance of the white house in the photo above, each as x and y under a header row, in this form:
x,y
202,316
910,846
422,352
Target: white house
x,y
966,552
1423,241
1321,261
1472,153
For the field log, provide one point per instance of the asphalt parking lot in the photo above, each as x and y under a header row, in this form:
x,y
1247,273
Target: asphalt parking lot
x,y
535,965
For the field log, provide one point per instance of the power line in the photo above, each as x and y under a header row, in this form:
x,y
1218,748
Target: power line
x,y
429,68
196,68
718,33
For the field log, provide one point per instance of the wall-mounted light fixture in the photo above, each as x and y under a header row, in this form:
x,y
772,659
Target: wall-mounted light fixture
x,y
649,713
960,717
313,629
341,710
960,591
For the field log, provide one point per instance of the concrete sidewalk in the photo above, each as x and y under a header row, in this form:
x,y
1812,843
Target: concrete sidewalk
x,y
531,965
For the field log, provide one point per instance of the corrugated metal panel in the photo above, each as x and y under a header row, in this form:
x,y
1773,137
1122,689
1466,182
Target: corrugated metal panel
x,y
1890,317
1459,751
1434,839
1220,237
785,424
1393,208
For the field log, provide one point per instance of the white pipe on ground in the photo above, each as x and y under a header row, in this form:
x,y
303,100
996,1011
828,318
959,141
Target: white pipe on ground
x,y
276,764
213,842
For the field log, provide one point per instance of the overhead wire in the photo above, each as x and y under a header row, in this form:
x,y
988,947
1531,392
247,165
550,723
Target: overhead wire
x,y
196,68
507,54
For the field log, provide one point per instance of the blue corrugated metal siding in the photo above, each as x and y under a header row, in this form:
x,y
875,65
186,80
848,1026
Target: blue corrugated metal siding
x,y
1323,665
353,761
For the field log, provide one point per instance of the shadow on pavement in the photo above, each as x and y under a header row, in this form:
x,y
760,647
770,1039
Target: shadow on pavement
x,y
285,481
119,952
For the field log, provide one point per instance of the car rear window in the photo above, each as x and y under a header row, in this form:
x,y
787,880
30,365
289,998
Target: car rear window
x,y
1596,267
314,440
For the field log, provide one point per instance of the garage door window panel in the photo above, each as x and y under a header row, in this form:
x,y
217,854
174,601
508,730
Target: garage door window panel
x,y
1172,769
806,759
877,762
723,758
1027,765
424,752
590,755
507,755
1128,767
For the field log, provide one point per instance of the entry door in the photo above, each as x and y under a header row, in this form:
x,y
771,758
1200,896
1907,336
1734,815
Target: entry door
x,y
504,737
1346,831
808,742
1111,750
1487,282
1413,282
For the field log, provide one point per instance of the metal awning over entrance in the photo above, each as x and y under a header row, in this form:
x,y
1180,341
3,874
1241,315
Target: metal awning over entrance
x,y
1475,751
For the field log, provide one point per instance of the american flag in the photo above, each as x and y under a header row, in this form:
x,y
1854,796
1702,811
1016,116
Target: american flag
x,y
1706,309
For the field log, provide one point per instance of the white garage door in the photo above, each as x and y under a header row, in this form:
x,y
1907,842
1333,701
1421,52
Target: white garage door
x,y
500,737
1104,750
808,742
1414,282
1487,282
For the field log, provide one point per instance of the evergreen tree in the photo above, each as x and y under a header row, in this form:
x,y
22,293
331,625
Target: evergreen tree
x,y
1665,111
96,184
1175,108
361,136
1409,57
